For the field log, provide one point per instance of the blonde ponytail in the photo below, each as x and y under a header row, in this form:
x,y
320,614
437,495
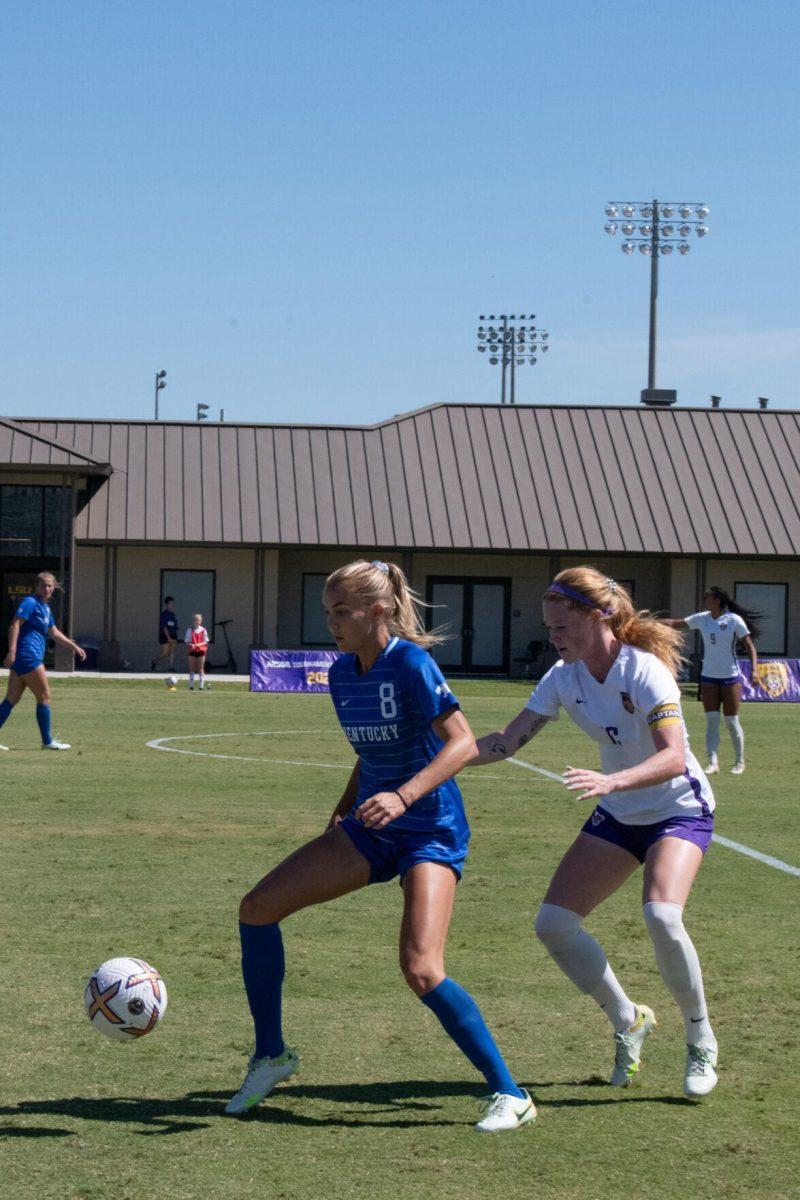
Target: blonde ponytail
x,y
592,592
385,583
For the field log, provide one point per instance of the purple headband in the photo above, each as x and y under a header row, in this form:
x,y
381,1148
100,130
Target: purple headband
x,y
565,590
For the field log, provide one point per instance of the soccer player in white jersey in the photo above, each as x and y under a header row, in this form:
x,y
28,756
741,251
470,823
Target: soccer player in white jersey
x,y
721,626
401,814
616,680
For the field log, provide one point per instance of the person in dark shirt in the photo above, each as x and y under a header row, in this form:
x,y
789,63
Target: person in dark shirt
x,y
167,635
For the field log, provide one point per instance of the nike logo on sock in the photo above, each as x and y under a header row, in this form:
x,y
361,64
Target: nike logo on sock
x,y
696,1020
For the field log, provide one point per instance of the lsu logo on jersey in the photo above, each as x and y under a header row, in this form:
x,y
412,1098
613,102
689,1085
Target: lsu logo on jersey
x,y
773,677
667,713
627,703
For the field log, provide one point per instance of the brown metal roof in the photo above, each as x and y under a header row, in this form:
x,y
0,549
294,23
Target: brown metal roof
x,y
469,477
24,447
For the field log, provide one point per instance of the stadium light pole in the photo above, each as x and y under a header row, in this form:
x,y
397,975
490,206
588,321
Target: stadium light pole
x,y
656,228
511,342
160,383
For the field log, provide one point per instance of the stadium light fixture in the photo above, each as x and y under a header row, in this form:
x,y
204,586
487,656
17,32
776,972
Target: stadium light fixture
x,y
511,341
661,229
161,382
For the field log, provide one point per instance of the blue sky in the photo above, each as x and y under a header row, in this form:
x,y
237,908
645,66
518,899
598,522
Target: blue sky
x,y
300,209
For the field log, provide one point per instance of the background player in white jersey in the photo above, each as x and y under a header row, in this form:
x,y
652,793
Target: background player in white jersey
x,y
401,814
721,626
196,639
616,680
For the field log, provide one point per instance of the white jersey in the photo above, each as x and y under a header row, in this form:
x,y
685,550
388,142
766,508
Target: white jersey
x,y
720,635
638,694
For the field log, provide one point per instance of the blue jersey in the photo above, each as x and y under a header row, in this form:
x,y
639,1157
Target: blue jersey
x,y
37,622
386,715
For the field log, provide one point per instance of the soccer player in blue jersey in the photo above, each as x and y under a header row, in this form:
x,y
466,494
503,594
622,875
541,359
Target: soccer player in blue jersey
x,y
401,814
28,632
615,679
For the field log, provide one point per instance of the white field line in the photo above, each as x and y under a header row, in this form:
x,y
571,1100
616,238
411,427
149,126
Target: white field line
x,y
716,837
161,744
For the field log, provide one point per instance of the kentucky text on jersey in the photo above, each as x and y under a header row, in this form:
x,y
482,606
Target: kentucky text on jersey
x,y
386,714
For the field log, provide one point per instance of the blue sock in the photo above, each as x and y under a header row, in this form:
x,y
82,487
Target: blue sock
x,y
43,721
461,1019
6,709
263,969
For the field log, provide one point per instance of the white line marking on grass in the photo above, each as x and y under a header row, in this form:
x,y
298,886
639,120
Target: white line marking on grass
x,y
764,858
161,744
539,770
716,837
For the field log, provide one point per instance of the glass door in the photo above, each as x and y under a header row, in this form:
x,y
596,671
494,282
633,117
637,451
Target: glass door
x,y
475,613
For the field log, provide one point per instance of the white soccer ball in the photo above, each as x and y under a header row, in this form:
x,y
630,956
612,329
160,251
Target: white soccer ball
x,y
171,681
125,998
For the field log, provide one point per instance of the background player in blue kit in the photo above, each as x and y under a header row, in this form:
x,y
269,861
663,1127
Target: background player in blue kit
x,y
400,814
28,632
615,679
721,626
167,635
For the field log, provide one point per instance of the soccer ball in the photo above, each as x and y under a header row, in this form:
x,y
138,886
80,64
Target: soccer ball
x,y
125,998
171,682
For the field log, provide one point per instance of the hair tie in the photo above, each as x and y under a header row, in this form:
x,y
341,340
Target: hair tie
x,y
382,566
612,586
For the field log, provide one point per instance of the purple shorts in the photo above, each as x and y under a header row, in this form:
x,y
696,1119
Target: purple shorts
x,y
637,839
729,682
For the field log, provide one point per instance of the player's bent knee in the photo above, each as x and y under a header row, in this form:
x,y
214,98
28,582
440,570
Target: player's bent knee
x,y
421,975
255,908
555,925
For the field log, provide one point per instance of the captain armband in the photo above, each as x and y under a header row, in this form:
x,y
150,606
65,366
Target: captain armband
x,y
668,713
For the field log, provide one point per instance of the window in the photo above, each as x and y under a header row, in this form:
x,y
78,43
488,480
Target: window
x,y
31,523
193,592
314,628
769,599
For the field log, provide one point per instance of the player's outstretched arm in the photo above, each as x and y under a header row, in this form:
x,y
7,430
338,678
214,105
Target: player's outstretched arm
x,y
674,622
348,798
493,747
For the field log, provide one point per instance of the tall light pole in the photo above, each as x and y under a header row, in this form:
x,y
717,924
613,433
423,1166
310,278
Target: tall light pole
x,y
511,342
160,383
664,227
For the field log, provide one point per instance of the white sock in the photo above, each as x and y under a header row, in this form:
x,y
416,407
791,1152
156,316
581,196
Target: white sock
x,y
712,735
202,679
737,737
680,968
583,960
191,679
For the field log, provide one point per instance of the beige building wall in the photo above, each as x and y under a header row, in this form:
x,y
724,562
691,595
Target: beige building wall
x,y
726,573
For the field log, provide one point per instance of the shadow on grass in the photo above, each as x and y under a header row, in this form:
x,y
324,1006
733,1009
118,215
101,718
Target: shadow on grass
x,y
404,1104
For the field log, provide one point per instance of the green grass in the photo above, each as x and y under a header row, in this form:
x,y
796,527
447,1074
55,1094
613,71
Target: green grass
x,y
118,849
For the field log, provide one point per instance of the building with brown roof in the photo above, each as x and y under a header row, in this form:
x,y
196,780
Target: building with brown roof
x,y
481,505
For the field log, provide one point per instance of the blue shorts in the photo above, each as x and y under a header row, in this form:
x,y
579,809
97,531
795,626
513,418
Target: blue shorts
x,y
637,839
721,682
390,854
23,665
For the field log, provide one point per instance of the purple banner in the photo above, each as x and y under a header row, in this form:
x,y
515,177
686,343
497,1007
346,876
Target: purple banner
x,y
290,670
778,679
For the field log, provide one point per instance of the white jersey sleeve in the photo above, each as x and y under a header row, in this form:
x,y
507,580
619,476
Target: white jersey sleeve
x,y
544,698
656,693
696,620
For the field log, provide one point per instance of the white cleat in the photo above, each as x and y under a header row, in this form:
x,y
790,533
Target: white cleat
x,y
629,1046
505,1112
712,768
2,748
262,1076
700,1078
737,768
56,745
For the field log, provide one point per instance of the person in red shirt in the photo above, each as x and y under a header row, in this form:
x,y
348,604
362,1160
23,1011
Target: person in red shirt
x,y
197,642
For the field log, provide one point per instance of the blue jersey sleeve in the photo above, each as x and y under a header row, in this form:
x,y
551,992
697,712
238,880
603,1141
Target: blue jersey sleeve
x,y
423,678
25,608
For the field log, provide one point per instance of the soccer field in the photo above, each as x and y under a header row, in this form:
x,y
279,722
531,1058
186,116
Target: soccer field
x,y
122,848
